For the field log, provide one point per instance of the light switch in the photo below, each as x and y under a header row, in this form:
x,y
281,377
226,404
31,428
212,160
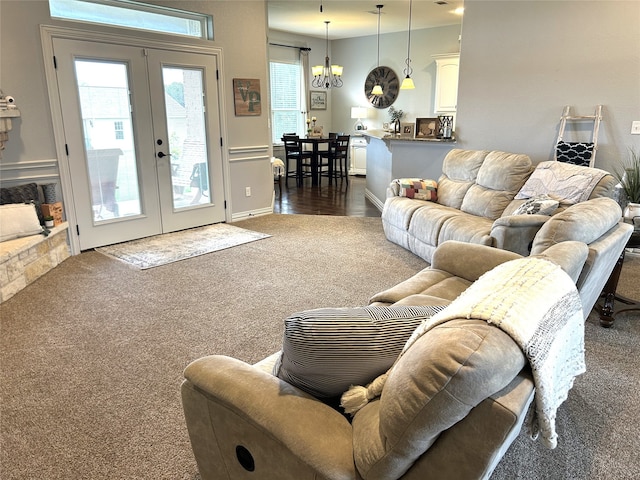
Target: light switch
x,y
635,127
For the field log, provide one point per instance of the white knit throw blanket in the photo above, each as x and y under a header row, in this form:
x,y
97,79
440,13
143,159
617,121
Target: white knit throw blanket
x,y
537,304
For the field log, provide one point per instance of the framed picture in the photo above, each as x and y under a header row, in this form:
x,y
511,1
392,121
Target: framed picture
x,y
317,100
246,96
407,129
426,127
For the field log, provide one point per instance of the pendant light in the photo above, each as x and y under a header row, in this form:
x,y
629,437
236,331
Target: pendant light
x,y
377,88
327,76
407,83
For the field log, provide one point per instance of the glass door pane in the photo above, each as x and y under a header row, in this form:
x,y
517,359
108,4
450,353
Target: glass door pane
x,y
186,128
112,166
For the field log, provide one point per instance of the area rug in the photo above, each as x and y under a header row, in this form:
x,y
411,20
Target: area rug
x,y
171,247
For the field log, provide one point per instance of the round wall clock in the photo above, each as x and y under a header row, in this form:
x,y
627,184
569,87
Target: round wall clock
x,y
388,80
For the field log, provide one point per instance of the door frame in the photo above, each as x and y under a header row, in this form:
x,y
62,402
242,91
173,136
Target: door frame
x,y
47,34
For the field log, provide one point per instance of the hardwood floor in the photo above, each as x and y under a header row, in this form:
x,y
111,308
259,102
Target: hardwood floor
x,y
337,199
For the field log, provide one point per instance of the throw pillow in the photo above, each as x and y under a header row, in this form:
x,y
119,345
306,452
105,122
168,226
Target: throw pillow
x,y
327,350
18,220
575,153
418,189
540,205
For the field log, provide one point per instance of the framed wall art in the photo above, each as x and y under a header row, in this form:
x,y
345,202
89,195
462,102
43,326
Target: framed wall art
x,y
426,127
246,96
317,100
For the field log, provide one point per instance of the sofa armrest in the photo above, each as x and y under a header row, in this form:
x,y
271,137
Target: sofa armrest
x,y
240,416
393,190
469,260
516,232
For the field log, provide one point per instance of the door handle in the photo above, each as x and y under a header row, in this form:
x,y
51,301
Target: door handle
x,y
162,154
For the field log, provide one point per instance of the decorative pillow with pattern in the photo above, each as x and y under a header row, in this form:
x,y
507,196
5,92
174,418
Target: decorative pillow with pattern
x,y
418,188
575,153
540,205
327,350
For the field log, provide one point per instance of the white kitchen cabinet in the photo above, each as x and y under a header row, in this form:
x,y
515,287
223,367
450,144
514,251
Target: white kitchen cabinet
x,y
446,95
358,155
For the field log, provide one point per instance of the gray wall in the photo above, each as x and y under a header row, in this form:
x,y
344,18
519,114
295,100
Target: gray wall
x,y
521,62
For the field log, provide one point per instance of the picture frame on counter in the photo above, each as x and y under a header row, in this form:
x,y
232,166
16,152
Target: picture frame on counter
x,y
407,129
426,127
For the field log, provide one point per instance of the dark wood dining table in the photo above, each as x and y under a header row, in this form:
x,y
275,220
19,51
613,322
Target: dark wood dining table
x,y
315,158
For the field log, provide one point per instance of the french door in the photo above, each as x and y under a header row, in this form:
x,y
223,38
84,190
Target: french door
x,y
142,134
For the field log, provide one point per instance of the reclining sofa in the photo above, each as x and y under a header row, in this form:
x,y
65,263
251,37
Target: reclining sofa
x,y
450,408
479,197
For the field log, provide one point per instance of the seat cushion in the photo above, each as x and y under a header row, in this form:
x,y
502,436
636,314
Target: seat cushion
x,y
327,350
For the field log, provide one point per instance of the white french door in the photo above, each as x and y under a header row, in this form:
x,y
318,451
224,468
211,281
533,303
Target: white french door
x,y
142,130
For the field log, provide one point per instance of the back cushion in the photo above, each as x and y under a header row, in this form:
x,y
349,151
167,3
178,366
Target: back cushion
x,y
459,171
499,179
434,385
583,222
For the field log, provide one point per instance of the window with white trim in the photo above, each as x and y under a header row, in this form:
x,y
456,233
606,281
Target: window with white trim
x,y
285,74
135,15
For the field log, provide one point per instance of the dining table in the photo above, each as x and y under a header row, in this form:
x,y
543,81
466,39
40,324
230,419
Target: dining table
x,y
315,142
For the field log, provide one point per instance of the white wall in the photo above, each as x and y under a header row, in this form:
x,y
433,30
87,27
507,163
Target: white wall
x,y
521,62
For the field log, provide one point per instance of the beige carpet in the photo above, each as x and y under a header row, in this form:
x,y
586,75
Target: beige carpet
x,y
172,247
92,353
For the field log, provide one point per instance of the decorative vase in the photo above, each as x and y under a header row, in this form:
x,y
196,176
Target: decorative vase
x,y
49,223
632,213
49,191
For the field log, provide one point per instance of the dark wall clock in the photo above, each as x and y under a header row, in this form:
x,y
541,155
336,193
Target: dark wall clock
x,y
388,80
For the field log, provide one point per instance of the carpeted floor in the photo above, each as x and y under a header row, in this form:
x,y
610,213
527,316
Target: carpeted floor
x,y
92,353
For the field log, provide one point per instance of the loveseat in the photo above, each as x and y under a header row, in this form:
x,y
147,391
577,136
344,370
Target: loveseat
x,y
449,408
489,198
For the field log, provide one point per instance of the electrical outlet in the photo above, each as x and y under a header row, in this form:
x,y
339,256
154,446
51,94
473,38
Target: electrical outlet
x,y
635,127
247,191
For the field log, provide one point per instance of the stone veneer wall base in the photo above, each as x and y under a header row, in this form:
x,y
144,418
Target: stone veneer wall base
x,y
24,260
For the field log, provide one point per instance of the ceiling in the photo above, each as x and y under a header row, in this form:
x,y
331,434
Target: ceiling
x,y
357,18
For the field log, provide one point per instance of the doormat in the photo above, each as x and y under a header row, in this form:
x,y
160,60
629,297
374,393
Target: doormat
x,y
172,247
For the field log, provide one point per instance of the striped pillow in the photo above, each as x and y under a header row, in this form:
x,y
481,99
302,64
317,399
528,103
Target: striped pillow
x,y
327,350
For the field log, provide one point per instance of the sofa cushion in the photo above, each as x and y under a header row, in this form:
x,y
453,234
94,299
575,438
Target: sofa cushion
x,y
569,184
498,181
18,220
434,385
584,222
418,188
459,171
539,205
468,229
327,350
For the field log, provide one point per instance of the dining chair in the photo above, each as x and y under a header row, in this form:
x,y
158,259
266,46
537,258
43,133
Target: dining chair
x,y
336,159
294,153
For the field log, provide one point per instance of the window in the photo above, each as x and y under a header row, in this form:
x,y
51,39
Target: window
x,y
285,99
119,128
126,13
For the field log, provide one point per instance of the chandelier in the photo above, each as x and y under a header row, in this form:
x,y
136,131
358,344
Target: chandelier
x,y
327,76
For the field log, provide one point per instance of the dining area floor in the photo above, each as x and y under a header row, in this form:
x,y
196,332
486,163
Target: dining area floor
x,y
340,198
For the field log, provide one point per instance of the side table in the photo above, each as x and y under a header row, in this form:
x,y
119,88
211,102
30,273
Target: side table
x,y
608,310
